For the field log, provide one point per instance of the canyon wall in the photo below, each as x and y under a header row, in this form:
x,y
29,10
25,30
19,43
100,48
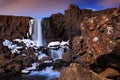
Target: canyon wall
x,y
12,27
94,37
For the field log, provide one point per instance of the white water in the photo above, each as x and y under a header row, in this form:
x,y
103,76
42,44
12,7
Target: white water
x,y
48,72
37,32
56,54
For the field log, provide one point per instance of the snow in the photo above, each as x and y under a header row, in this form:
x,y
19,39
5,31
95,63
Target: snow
x,y
14,48
7,43
64,44
55,43
24,71
95,39
18,40
27,42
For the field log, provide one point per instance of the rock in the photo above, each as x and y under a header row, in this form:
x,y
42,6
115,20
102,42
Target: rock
x,y
45,60
79,72
67,57
95,41
2,59
13,27
78,46
73,16
28,61
53,28
110,73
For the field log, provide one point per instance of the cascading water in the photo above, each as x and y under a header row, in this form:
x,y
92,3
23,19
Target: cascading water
x,y
56,54
37,32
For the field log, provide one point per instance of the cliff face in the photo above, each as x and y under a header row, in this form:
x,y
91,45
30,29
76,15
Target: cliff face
x,y
95,39
73,16
97,49
64,27
12,27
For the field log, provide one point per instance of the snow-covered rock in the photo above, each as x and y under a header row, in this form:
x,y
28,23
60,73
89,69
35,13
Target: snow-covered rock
x,y
7,43
53,44
64,44
25,71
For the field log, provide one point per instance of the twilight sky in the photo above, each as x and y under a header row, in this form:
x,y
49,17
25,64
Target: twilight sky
x,y
44,8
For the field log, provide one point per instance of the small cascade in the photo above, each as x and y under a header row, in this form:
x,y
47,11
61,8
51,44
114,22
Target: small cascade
x,y
37,32
56,54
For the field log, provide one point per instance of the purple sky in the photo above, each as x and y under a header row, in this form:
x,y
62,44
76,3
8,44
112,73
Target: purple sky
x,y
44,8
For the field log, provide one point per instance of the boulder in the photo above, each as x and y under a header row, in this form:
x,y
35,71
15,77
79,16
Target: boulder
x,y
78,72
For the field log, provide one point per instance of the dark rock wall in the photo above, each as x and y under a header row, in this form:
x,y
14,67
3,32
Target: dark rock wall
x,y
64,27
12,27
95,39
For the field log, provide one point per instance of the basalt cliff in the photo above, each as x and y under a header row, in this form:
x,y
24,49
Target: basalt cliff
x,y
95,42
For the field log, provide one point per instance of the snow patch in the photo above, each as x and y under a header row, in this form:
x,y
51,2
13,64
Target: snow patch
x,y
51,44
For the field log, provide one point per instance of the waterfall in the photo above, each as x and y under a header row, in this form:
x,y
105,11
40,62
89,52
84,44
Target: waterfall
x,y
56,54
37,32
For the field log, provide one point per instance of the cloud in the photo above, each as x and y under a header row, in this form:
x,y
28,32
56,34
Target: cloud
x,y
109,3
33,7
